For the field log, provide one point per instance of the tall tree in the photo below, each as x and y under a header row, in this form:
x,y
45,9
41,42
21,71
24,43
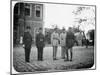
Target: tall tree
x,y
85,16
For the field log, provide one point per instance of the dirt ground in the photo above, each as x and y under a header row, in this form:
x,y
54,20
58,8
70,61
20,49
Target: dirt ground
x,y
83,58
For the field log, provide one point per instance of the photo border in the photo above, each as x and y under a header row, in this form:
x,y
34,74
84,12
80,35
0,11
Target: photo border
x,y
11,38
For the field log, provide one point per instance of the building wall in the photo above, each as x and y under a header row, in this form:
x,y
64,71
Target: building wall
x,y
28,20
33,21
33,12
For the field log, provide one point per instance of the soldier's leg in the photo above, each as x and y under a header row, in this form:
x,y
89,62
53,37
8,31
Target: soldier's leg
x,y
28,54
25,55
67,55
41,53
54,52
38,52
71,54
62,52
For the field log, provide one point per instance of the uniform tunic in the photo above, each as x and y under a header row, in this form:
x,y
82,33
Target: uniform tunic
x,y
55,43
27,41
55,39
63,39
40,44
40,40
70,39
79,38
63,44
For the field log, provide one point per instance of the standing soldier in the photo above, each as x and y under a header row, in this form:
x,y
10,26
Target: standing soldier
x,y
40,44
79,38
63,43
27,42
55,42
70,38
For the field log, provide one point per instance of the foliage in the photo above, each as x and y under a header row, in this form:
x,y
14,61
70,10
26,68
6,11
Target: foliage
x,y
84,15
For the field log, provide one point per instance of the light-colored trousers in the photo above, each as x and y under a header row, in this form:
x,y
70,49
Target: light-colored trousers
x,y
55,51
63,51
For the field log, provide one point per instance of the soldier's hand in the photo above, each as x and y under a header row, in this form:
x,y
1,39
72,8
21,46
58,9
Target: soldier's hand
x,y
23,46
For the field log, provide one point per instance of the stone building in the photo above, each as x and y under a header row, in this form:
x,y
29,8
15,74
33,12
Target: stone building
x,y
27,14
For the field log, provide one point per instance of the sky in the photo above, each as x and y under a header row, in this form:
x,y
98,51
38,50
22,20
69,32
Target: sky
x,y
62,16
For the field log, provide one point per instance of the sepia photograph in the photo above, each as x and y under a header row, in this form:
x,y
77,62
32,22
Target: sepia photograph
x,y
52,37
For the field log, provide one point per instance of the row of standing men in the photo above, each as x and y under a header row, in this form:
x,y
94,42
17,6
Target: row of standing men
x,y
66,42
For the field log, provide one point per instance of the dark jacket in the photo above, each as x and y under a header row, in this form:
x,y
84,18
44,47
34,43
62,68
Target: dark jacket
x,y
27,39
40,40
70,38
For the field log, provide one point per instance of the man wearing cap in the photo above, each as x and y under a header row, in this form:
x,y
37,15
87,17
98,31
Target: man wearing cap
x,y
63,43
40,44
27,42
70,39
55,42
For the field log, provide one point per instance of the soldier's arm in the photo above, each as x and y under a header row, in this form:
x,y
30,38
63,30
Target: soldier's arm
x,y
58,37
66,36
24,38
44,39
74,38
51,38
31,39
36,39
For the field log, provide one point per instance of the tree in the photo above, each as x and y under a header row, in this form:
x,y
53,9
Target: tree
x,y
84,16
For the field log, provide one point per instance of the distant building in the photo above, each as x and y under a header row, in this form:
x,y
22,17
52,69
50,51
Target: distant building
x,y
27,14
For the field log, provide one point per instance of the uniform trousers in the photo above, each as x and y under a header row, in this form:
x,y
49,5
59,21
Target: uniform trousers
x,y
27,54
54,52
69,53
40,53
63,51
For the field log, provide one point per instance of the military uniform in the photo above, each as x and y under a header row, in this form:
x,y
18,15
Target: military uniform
x,y
70,38
40,45
63,43
55,43
27,41
79,38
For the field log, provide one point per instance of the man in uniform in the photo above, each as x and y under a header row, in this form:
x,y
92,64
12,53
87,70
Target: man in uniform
x,y
27,42
55,42
63,43
79,38
70,38
40,44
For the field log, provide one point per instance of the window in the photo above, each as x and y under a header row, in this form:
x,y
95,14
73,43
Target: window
x,y
38,9
27,9
37,13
